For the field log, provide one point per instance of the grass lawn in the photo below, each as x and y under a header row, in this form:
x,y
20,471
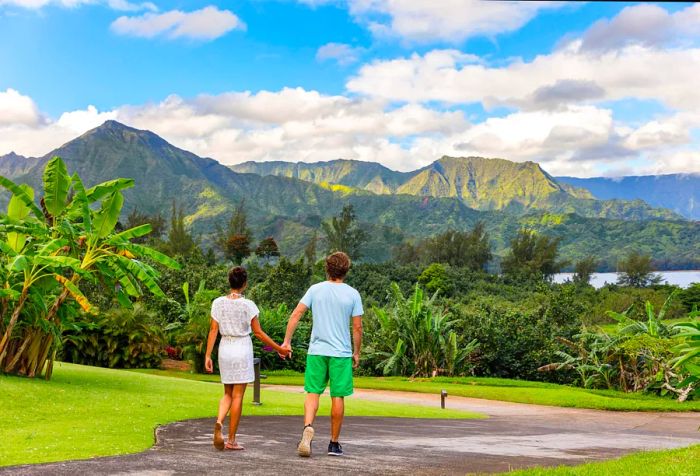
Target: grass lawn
x,y
519,391
88,411
681,462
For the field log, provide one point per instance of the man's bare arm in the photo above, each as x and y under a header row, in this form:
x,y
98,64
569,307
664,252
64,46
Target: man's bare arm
x,y
356,340
294,319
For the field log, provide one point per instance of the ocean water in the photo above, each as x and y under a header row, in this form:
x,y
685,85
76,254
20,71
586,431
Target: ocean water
x,y
679,278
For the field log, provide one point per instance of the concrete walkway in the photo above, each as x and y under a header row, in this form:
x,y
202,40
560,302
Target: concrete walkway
x,y
515,436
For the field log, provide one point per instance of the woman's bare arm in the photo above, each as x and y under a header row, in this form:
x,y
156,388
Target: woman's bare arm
x,y
211,340
260,334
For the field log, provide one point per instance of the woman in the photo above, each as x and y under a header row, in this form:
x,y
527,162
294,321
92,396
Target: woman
x,y
234,316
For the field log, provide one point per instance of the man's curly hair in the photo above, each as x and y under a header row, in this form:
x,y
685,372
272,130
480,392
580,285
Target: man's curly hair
x,y
337,265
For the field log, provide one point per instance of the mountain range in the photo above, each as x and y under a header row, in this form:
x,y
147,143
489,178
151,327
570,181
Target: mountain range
x,y
479,183
392,206
677,192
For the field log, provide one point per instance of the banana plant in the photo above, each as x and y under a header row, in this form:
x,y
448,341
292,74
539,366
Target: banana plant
x,y
49,249
689,351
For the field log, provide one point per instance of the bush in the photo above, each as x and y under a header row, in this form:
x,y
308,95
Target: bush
x,y
285,283
119,338
274,323
515,340
415,337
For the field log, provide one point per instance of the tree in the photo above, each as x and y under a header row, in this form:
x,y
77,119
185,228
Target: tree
x,y
180,242
310,249
235,241
48,251
469,249
635,270
584,269
343,233
531,255
267,249
237,248
406,253
157,222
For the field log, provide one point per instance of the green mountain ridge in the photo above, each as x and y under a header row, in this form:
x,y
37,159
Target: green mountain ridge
x,y
480,183
291,209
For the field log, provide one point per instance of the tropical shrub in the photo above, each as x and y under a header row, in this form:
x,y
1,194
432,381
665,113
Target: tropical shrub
x,y
193,324
119,338
274,322
688,351
47,251
284,283
516,339
639,356
415,336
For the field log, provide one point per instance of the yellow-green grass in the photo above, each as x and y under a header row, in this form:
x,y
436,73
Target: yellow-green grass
x,y
88,411
518,391
681,462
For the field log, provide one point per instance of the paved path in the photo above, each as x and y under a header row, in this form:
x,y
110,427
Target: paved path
x,y
515,436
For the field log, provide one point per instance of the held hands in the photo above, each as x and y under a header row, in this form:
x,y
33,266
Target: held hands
x,y
286,351
208,365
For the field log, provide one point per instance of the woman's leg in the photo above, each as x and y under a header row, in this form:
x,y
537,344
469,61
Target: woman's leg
x,y
236,408
225,403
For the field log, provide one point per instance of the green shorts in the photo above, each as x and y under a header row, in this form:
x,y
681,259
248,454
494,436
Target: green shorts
x,y
321,368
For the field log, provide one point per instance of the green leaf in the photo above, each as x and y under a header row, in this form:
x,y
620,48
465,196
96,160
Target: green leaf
x,y
20,263
80,203
59,261
11,293
56,186
156,256
135,232
20,193
7,249
108,215
102,190
142,273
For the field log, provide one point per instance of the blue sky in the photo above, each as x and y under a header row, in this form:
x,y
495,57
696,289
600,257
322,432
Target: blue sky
x,y
573,86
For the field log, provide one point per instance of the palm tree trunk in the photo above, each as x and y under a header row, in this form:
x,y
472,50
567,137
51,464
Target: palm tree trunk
x,y
11,325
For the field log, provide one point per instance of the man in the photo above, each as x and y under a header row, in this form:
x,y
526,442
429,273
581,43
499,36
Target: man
x,y
331,356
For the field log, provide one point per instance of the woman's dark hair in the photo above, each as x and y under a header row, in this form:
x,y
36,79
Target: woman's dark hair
x,y
337,265
237,277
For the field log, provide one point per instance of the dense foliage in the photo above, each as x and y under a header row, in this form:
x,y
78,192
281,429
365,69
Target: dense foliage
x,y
48,251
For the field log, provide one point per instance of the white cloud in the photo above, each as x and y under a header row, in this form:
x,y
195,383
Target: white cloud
x,y
299,125
613,60
207,23
645,24
123,5
16,108
445,20
342,53
669,76
126,6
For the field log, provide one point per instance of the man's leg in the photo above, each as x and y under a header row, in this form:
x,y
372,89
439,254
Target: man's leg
x,y
337,413
340,373
315,380
310,408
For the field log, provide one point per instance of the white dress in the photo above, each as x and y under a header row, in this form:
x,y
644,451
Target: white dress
x,y
236,347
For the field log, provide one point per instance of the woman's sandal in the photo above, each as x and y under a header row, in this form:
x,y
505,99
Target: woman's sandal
x,y
218,437
233,446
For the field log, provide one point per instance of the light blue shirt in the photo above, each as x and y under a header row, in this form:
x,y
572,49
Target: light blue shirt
x,y
332,305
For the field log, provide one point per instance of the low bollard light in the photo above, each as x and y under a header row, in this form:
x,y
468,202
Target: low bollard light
x,y
443,396
256,384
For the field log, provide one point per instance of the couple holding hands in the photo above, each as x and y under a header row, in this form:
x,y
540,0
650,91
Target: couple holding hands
x,y
332,353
